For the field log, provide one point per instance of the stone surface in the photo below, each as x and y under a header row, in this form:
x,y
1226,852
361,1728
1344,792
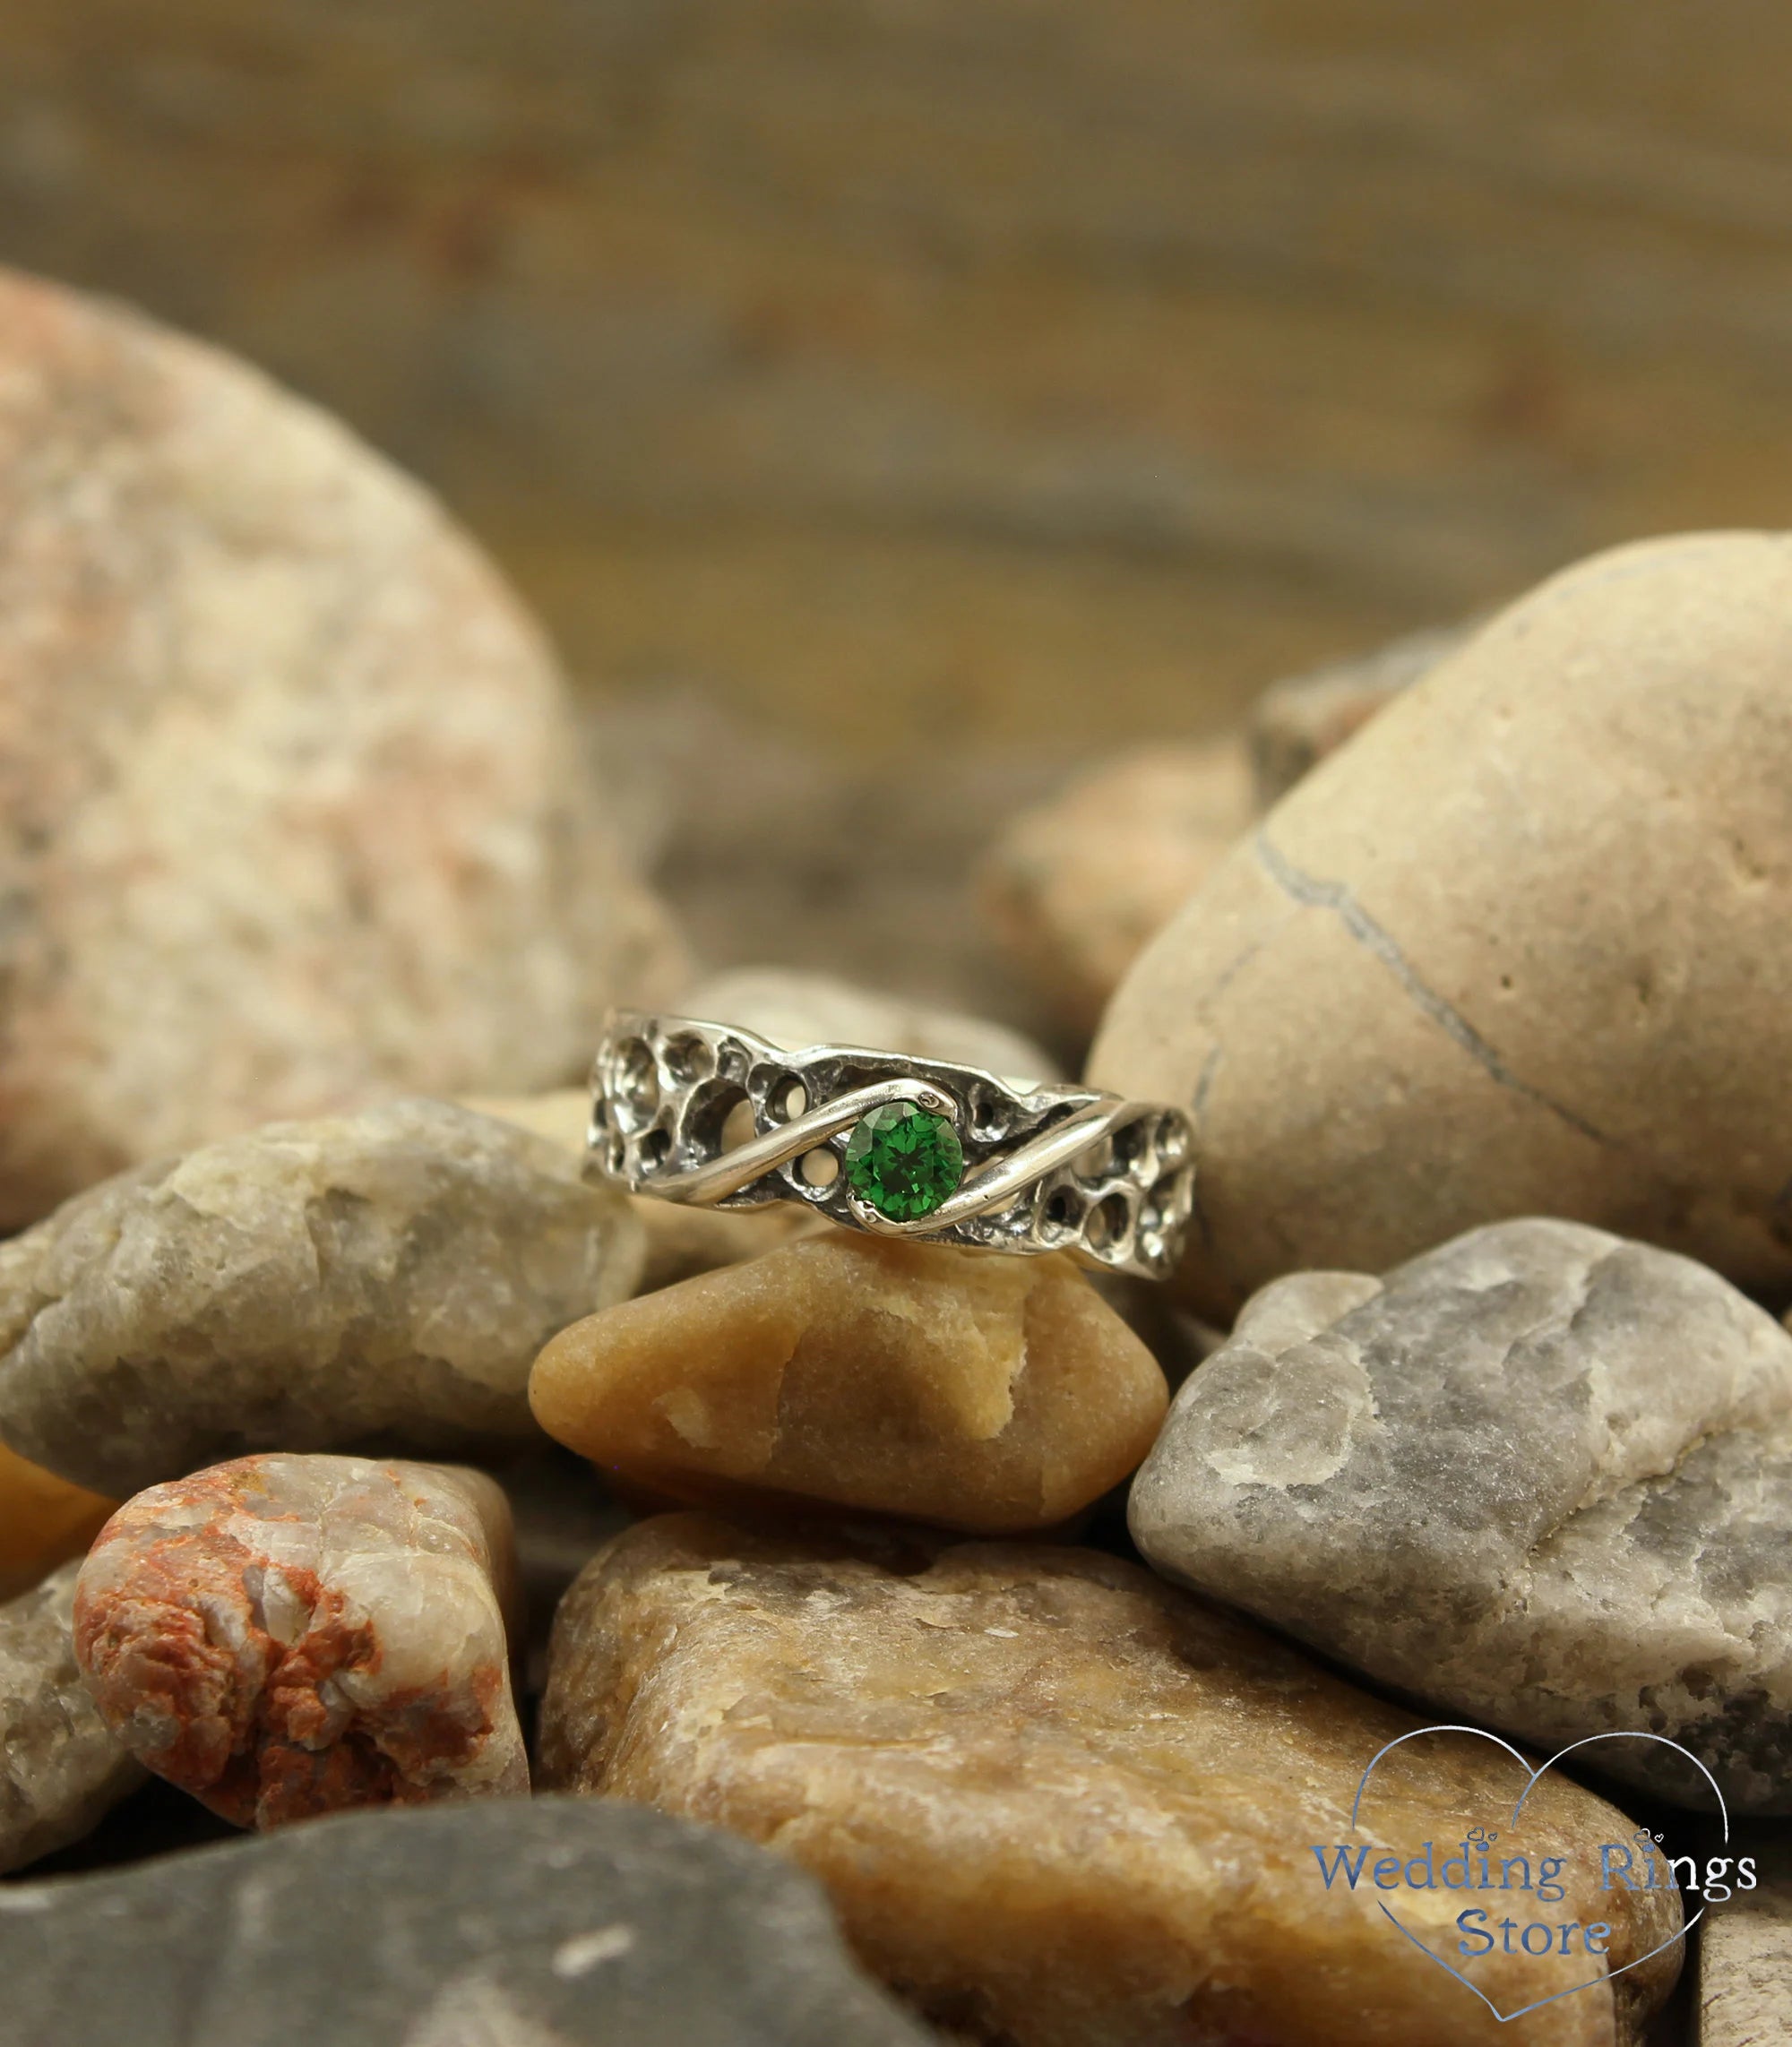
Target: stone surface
x,y
1073,888
1539,1475
385,1278
1058,1802
801,1010
1745,1950
295,812
286,1635
680,1242
1514,951
977,1392
544,1922
43,1520
1296,724
61,1767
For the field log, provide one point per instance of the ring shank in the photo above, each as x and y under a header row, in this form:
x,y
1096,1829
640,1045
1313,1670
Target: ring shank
x,y
1048,1168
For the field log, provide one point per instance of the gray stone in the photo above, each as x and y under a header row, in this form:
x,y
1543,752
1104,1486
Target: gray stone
x,y
61,1769
551,1922
1746,1950
383,1279
1540,1475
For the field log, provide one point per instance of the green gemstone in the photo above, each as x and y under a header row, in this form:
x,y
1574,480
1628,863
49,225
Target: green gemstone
x,y
902,1162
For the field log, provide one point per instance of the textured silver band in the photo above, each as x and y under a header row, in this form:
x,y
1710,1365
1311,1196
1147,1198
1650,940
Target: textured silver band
x,y
1051,1167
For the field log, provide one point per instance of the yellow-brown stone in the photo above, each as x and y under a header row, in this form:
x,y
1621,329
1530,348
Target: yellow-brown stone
x,y
1058,1803
989,1394
43,1521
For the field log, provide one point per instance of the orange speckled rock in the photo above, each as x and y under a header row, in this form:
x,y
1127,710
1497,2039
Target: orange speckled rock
x,y
992,1394
44,1520
1058,1803
286,1635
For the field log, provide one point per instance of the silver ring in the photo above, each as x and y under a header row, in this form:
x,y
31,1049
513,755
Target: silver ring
x,y
717,1116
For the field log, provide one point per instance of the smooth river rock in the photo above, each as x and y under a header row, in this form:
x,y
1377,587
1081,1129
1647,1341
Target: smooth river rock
x,y
294,809
1515,949
62,1769
288,1636
384,1279
1073,888
43,1520
543,1922
1061,1805
992,1394
1540,1475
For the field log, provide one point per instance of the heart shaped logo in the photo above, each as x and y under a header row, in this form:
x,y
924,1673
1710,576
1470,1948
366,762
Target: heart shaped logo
x,y
1532,1778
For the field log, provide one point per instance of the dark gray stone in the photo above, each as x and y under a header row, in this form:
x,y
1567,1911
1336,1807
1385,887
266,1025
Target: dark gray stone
x,y
544,1922
1540,1475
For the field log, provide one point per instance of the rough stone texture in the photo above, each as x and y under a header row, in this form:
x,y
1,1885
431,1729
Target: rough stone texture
x,y
293,809
545,1922
383,1278
1539,1475
286,1635
1745,1950
1074,887
1515,950
1056,1802
977,1392
61,1767
43,1520
801,1010
1296,724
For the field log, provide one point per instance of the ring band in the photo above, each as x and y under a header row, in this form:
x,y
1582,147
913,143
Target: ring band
x,y
895,1146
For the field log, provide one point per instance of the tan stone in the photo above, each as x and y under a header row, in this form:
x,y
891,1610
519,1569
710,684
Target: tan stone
x,y
680,1242
43,1520
286,1635
977,1392
1746,1946
1074,887
1060,1804
1516,950
1295,725
294,811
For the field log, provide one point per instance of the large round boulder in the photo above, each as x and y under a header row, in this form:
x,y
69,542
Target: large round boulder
x,y
1518,947
292,809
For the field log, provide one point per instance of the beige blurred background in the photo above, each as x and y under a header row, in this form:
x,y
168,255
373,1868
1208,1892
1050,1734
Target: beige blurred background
x,y
1071,370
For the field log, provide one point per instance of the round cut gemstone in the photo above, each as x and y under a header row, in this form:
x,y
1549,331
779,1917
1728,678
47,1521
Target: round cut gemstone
x,y
903,1161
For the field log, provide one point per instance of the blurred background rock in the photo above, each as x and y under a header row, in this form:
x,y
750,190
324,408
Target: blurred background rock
x,y
1070,371
835,373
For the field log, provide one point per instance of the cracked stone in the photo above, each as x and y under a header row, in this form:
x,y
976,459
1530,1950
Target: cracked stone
x,y
382,1279
1057,1803
62,1769
1558,988
288,1636
1540,1475
977,1392
539,1922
